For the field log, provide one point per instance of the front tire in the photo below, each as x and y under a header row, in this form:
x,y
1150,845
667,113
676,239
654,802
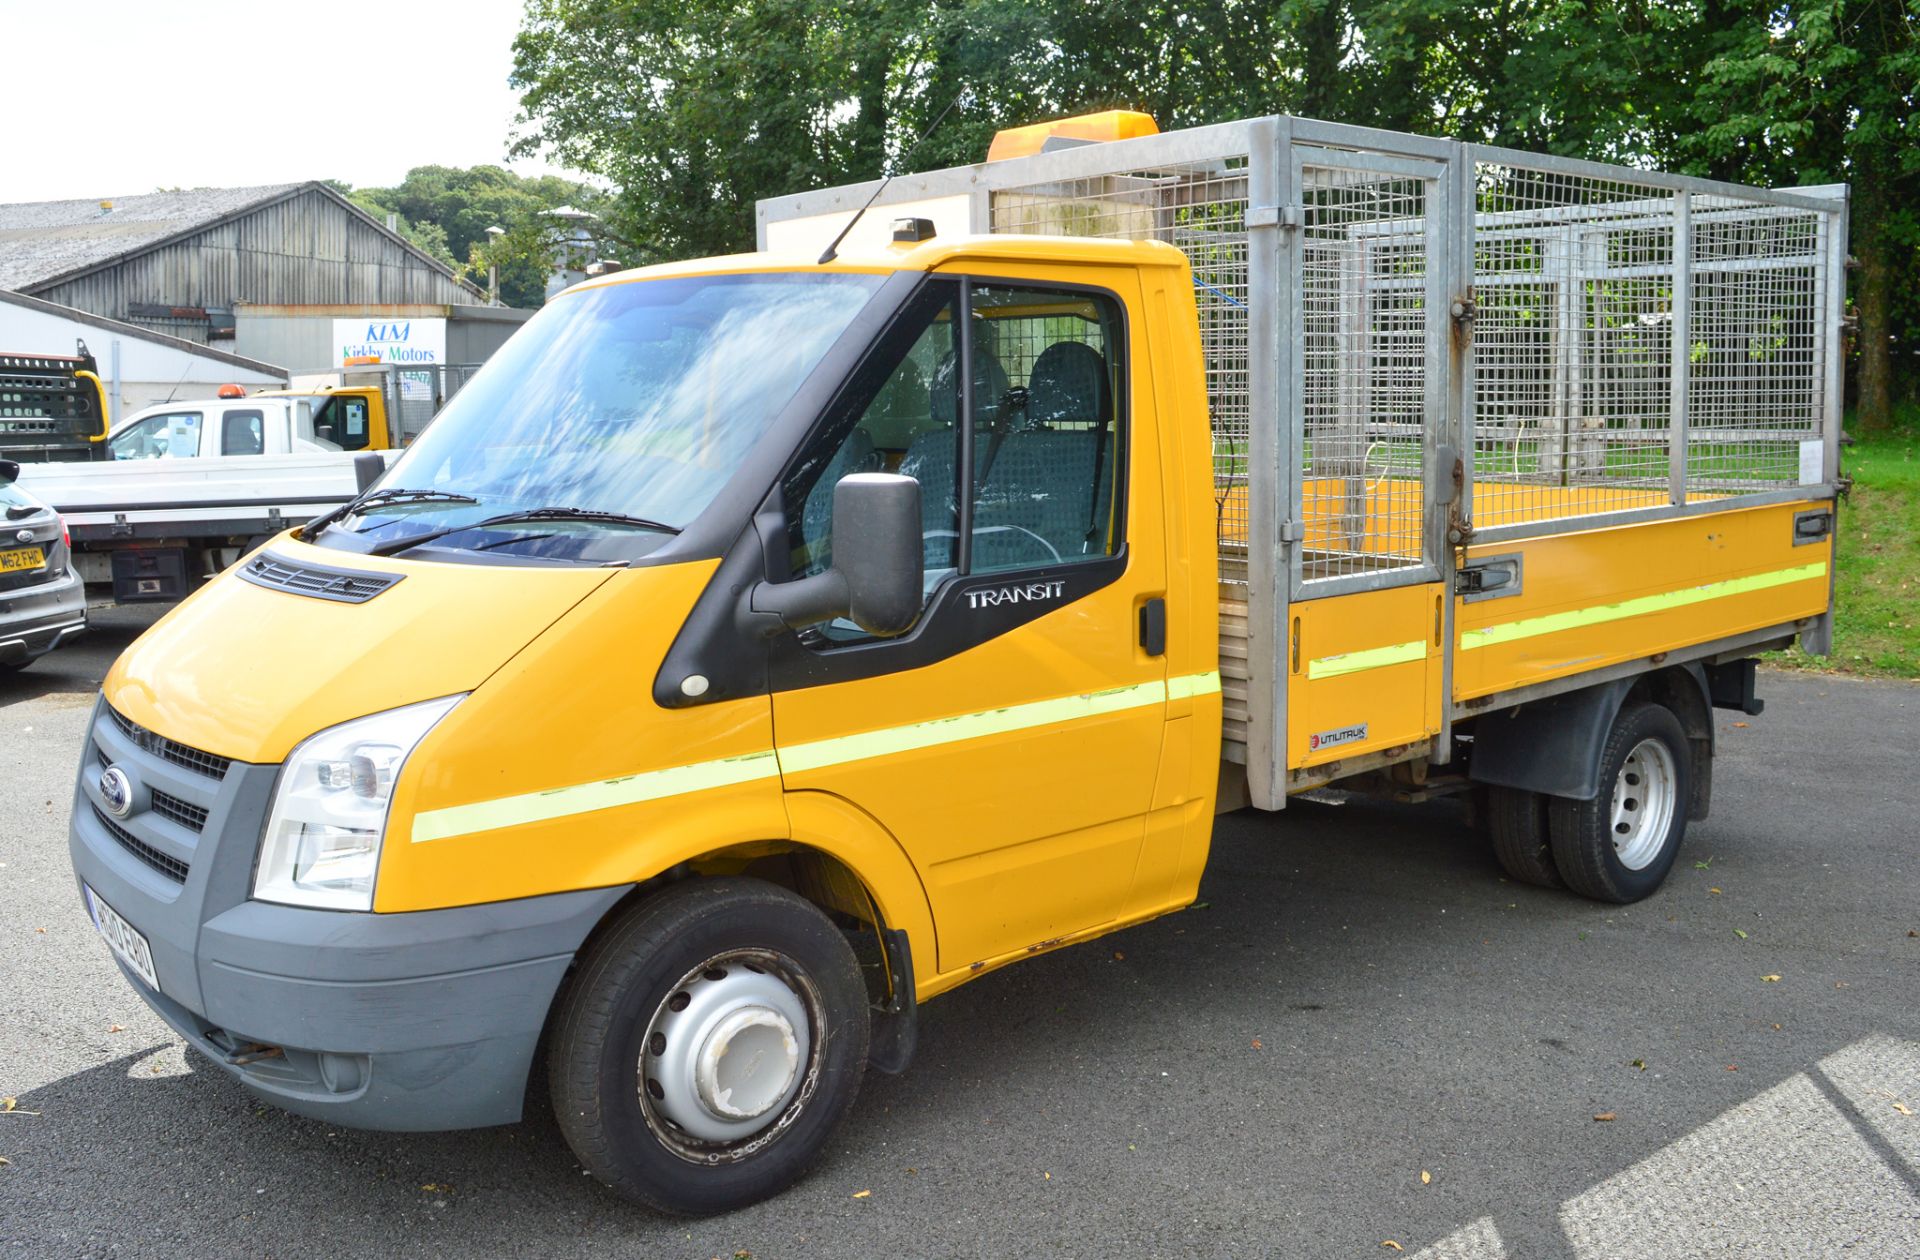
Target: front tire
x,y
709,1045
1620,845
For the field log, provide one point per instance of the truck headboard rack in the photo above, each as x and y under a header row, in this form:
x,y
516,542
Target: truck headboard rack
x,y
51,406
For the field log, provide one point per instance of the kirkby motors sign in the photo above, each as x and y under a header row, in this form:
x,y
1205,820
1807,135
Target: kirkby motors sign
x,y
408,342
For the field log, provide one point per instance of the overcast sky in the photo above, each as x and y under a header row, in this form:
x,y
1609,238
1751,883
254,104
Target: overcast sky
x,y
114,97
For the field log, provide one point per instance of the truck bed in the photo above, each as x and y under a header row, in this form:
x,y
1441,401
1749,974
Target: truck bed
x,y
223,495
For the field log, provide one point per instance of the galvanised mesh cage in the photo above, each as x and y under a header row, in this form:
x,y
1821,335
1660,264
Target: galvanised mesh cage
x,y
1572,344
1364,369
1755,356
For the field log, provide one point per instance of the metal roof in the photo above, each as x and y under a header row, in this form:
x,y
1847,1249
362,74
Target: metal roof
x,y
42,242
137,333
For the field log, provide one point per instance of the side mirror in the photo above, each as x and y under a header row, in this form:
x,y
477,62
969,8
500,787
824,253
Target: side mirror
x,y
9,470
368,468
877,578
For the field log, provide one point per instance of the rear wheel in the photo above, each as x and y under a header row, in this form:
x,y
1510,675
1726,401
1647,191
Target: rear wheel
x,y
1620,845
1517,821
709,1045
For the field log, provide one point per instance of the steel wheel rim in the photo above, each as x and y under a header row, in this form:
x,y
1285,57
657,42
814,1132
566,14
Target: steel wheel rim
x,y
1645,796
755,1007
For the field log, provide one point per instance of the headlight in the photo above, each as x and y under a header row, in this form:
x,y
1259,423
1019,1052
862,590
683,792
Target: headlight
x,y
330,810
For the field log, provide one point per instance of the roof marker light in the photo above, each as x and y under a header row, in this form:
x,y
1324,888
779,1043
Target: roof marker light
x,y
912,231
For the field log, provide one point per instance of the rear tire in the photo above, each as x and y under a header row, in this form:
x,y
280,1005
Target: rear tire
x,y
1620,845
1517,821
640,1079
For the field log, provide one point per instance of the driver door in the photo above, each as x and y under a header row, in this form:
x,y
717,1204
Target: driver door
x,y
1010,741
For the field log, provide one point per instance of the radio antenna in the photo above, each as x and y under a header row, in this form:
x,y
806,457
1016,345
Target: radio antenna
x,y
834,249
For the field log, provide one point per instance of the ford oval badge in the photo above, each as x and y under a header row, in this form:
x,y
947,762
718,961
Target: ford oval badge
x,y
117,791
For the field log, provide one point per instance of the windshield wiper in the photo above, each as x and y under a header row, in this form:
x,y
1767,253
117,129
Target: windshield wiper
x,y
394,545
393,494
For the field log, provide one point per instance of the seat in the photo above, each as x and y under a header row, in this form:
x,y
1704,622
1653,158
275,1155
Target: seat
x,y
1037,506
1040,504
240,434
1069,387
932,456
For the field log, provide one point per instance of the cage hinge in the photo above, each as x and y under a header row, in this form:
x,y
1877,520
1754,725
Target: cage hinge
x,y
1285,217
1292,531
1462,309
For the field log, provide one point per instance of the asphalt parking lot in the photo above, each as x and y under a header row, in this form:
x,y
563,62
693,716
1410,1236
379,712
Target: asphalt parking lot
x,y
1362,1040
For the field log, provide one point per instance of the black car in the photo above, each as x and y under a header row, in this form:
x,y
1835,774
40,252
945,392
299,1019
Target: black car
x,y
43,602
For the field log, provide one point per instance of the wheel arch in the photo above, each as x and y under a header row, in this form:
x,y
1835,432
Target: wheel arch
x,y
835,855
1553,746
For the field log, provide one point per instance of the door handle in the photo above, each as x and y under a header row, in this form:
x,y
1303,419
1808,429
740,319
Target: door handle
x,y
1153,627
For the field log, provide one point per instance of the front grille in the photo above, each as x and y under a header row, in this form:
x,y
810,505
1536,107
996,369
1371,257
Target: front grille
x,y
179,754
346,586
186,813
173,868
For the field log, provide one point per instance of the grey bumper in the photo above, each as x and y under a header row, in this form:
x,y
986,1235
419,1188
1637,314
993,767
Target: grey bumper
x,y
34,620
426,1020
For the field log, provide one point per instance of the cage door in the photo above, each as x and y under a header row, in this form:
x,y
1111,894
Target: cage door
x,y
1368,369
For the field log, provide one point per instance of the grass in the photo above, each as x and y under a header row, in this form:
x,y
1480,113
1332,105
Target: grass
x,y
1876,623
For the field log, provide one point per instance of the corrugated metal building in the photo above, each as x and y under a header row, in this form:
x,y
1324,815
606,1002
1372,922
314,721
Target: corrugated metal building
x,y
178,262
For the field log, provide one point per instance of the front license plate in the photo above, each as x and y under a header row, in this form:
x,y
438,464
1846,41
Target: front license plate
x,y
22,558
123,938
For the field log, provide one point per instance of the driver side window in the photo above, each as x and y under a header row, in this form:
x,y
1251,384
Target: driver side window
x,y
1041,418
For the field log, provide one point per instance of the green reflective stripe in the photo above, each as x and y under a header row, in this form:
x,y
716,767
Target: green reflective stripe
x,y
583,798
653,785
917,735
1372,658
1601,613
1191,685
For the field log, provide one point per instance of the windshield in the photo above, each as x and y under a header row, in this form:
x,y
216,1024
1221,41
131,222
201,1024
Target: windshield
x,y
175,435
633,400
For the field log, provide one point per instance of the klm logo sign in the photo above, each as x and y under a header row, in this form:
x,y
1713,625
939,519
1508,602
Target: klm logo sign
x,y
405,342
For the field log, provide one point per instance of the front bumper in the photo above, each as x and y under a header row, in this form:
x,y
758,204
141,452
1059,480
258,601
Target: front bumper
x,y
34,620
427,1020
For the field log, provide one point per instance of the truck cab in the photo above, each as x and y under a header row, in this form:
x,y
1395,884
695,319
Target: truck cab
x,y
247,425
824,535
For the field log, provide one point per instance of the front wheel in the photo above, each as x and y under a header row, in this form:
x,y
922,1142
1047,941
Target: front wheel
x,y
1620,845
709,1045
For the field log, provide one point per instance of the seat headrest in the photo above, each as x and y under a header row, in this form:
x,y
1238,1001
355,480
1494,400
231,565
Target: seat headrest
x,y
989,387
1069,386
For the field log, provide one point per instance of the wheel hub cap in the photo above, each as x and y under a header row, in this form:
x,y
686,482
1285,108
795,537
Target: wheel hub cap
x,y
1645,794
725,1052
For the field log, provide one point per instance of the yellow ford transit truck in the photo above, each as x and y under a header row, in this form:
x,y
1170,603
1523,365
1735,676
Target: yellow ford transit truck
x,y
760,646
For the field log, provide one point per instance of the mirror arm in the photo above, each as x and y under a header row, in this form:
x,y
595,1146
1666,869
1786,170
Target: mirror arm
x,y
769,608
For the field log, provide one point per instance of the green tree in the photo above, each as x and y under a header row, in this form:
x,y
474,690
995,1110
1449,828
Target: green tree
x,y
447,211
696,108
1821,92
